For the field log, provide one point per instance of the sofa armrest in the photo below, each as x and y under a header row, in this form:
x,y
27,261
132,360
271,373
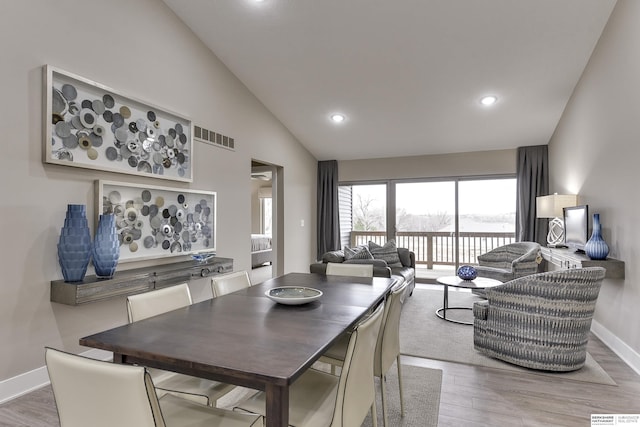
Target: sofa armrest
x,y
318,268
480,310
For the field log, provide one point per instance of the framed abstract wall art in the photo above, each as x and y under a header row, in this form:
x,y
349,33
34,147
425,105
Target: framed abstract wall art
x,y
89,125
155,222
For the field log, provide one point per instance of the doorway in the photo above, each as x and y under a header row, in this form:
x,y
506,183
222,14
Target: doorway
x,y
266,226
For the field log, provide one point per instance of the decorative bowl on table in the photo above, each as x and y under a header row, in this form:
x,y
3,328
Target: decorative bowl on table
x,y
467,272
293,295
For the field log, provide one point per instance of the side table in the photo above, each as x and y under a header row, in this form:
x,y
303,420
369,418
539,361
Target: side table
x,y
456,282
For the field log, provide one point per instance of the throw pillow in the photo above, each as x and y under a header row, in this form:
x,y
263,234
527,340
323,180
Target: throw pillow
x,y
405,256
333,256
359,252
388,252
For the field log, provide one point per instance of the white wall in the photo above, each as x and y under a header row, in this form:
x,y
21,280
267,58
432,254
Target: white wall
x,y
142,49
594,153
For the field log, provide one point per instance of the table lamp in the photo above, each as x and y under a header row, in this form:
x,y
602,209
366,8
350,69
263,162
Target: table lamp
x,y
551,207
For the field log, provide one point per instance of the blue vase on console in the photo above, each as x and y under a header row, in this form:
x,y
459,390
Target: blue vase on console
x,y
74,245
596,248
106,247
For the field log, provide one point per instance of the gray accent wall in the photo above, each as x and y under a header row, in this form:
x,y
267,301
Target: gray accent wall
x,y
142,49
477,163
594,153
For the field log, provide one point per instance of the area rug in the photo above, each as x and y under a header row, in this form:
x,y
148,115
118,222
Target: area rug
x,y
421,392
422,334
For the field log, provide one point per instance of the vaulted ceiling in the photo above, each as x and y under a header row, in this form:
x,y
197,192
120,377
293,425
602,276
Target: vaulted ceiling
x,y
408,75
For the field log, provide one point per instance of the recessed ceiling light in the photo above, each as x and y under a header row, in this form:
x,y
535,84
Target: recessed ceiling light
x,y
337,117
488,100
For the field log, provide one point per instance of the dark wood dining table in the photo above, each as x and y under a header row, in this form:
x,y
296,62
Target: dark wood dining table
x,y
245,338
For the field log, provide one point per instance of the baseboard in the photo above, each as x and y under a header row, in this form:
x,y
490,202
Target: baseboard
x,y
33,380
619,347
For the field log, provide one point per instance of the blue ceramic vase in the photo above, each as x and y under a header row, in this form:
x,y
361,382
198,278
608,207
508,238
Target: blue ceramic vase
x,y
467,272
74,245
596,247
106,247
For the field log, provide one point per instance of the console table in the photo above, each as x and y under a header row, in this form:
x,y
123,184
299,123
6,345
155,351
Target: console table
x,y
136,281
560,259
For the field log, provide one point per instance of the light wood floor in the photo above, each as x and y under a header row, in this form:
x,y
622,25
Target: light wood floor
x,y
471,396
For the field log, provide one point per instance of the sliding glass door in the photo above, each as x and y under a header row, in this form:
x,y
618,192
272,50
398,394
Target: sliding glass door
x,y
425,222
487,216
445,222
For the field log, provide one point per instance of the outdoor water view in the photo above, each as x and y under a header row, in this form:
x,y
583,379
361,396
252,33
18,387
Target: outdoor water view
x,y
425,218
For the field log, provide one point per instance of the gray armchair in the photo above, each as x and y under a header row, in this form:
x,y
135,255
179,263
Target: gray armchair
x,y
541,321
510,261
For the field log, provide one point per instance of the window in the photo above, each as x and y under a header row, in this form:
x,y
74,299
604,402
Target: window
x,y
445,222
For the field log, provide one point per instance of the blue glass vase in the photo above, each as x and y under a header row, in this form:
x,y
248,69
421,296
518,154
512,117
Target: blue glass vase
x,y
106,247
596,247
74,245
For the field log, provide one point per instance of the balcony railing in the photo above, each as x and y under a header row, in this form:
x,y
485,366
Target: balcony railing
x,y
437,248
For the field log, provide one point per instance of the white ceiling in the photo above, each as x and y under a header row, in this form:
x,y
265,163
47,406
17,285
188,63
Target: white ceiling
x,y
408,74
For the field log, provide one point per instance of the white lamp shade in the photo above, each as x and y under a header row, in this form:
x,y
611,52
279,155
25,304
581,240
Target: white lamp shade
x,y
551,206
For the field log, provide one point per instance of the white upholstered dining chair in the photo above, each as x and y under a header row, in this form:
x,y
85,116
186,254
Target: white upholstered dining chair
x,y
342,269
387,345
228,283
321,399
94,393
148,304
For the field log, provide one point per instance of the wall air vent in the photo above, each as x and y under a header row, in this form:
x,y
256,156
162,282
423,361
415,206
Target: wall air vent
x,y
212,138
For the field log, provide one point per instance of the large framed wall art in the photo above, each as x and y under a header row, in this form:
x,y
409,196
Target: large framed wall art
x,y
89,125
155,222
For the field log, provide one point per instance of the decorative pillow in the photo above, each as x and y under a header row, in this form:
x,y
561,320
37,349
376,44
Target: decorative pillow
x,y
333,256
405,257
388,252
359,252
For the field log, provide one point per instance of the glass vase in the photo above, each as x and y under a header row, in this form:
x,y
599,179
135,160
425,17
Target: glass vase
x,y
74,245
106,247
596,247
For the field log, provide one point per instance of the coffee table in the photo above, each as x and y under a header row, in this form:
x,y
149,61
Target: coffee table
x,y
456,282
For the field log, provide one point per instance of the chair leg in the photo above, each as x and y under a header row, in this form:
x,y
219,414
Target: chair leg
x,y
400,386
384,400
374,412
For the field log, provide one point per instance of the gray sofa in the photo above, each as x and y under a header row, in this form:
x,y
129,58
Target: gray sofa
x,y
380,267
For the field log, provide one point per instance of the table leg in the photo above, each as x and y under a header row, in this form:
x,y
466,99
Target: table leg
x,y
442,311
277,405
445,303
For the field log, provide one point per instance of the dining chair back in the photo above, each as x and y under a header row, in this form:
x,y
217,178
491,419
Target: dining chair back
x,y
356,390
90,392
388,344
342,269
387,348
318,398
228,283
149,304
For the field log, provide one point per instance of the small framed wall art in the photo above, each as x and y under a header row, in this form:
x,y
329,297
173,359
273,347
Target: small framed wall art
x,y
89,125
154,222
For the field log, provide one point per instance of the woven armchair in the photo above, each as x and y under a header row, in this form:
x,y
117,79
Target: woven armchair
x,y
541,321
510,261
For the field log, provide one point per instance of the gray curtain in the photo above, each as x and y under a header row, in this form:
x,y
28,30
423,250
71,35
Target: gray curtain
x,y
328,211
533,180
